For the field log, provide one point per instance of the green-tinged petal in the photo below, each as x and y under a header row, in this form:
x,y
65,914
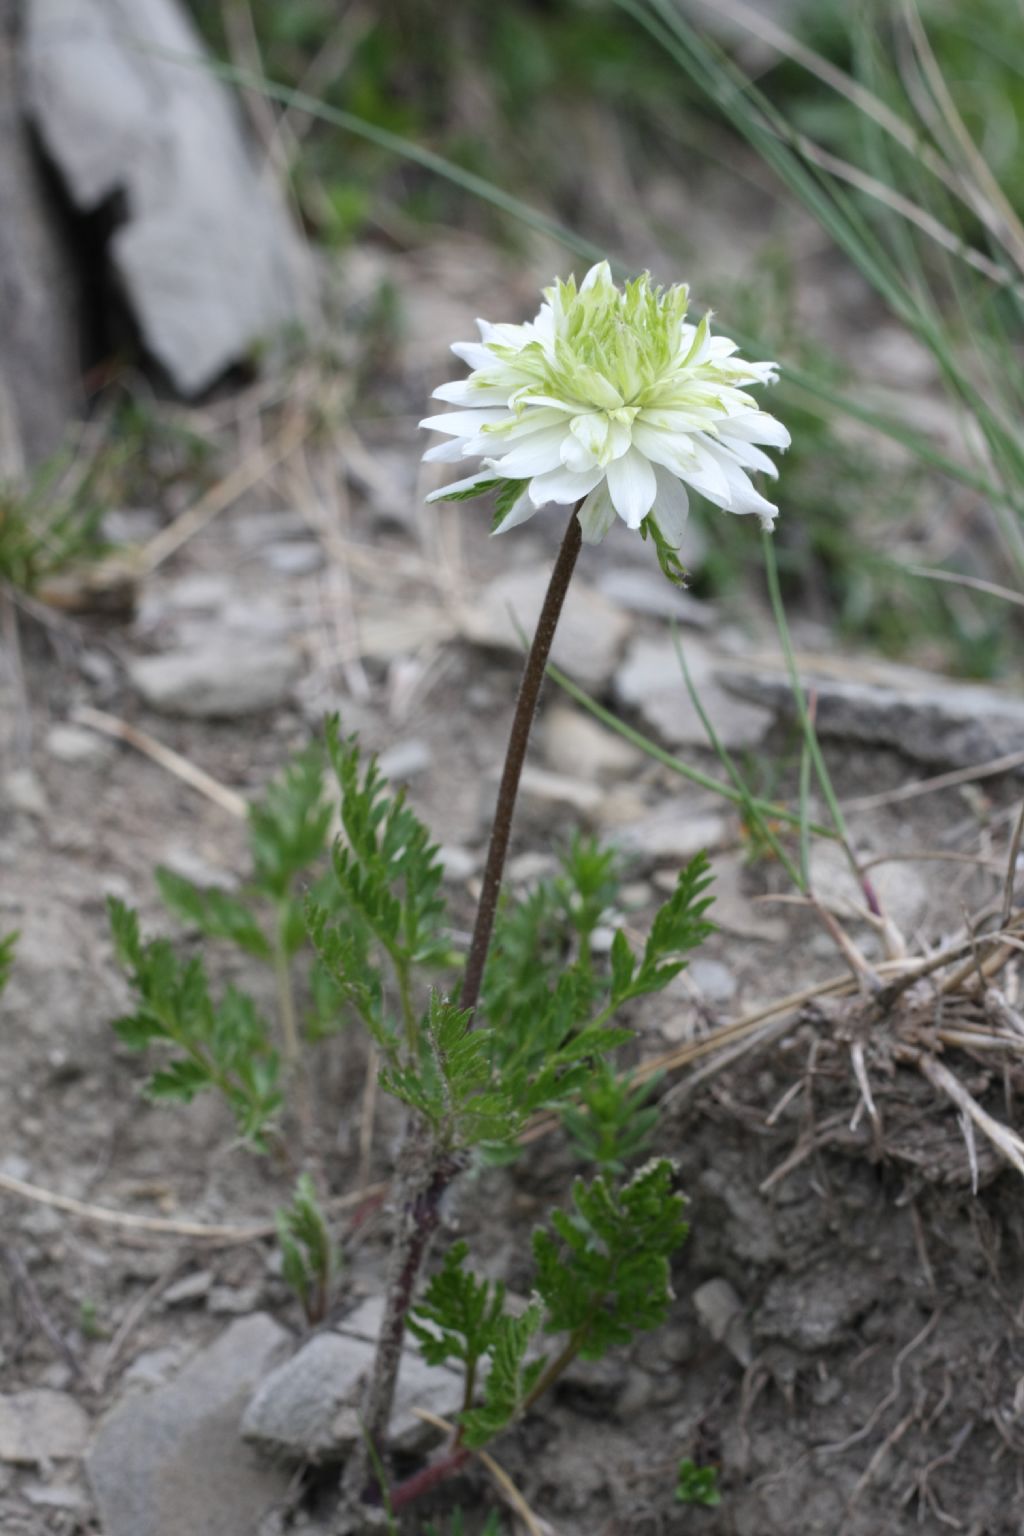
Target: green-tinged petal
x,y
632,486
597,514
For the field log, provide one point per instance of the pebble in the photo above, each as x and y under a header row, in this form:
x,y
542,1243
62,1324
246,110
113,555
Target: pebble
x,y
674,832
226,677
189,1288
559,789
170,1460
41,1425
713,980
405,760
591,630
575,744
78,747
649,593
22,793
935,720
459,863
902,889
308,1408
720,1311
651,682
298,557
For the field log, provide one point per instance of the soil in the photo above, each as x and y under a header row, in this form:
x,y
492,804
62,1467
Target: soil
x,y
874,1379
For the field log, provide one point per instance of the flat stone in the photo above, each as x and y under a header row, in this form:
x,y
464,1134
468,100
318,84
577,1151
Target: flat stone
x,y
712,979
559,789
674,832
933,719
575,744
78,747
170,1460
591,630
405,760
227,677
40,1425
721,1312
22,792
299,557
189,1288
307,1410
902,889
651,682
650,593
120,121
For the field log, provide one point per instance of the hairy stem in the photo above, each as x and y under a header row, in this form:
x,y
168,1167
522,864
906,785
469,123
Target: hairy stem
x,y
428,1172
519,736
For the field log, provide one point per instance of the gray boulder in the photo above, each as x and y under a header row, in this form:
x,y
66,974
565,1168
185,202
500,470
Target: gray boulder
x,y
206,255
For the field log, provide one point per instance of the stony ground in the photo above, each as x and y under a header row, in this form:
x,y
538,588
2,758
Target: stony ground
x,y
846,1342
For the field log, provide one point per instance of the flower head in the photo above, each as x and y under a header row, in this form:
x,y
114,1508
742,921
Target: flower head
x,y
609,397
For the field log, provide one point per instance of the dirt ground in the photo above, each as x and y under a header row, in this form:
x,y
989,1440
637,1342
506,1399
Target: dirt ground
x,y
870,1379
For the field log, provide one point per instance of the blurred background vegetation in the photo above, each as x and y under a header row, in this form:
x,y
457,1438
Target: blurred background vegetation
x,y
892,132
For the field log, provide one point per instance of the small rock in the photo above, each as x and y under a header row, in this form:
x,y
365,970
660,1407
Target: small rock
x,y
308,1409
191,1287
299,557
576,745
591,630
190,865
816,1309
721,1313
55,1495
558,789
901,889
648,592
459,863
673,833
225,678
40,1425
405,760
933,719
77,747
170,1460
651,681
712,979
153,1367
203,592
234,1300
530,866
23,794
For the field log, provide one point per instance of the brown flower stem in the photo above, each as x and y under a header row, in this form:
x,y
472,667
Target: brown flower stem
x,y
519,736
427,1173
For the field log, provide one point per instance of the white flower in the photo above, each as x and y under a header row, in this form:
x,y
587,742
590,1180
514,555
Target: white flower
x,y
611,398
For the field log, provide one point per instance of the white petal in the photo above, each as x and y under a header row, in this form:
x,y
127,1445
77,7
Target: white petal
x,y
448,452
474,353
467,392
460,485
632,486
563,486
742,496
600,275
465,423
706,475
591,429
676,451
747,455
521,512
534,456
597,514
671,506
576,456
759,427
